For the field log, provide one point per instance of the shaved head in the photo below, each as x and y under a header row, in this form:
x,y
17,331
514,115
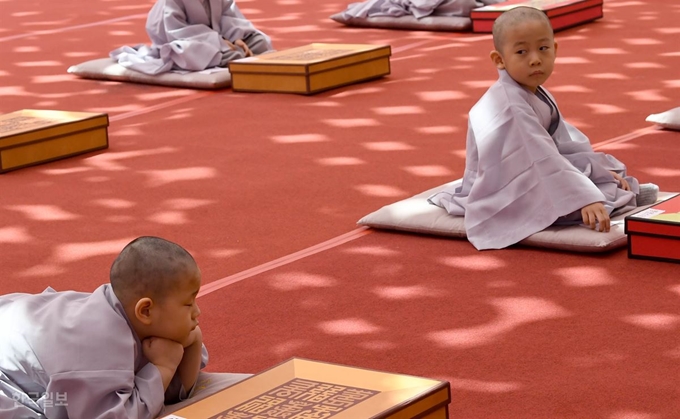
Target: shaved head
x,y
513,17
150,267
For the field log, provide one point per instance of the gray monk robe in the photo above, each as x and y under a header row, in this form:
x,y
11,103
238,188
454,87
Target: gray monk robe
x,y
187,34
74,355
520,179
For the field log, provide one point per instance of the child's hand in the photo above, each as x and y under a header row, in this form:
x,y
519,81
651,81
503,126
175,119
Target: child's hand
x,y
163,353
594,213
244,46
229,44
195,337
623,183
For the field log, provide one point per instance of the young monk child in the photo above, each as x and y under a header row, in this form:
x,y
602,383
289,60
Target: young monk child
x,y
526,167
193,35
119,352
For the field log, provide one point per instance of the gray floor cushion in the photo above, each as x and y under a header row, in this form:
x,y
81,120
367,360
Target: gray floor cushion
x,y
416,215
408,22
108,69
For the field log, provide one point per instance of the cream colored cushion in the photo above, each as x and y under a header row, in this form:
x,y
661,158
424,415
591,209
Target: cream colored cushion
x,y
416,215
669,119
109,69
408,22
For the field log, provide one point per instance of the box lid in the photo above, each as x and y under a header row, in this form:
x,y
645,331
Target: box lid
x,y
667,211
28,125
322,388
309,59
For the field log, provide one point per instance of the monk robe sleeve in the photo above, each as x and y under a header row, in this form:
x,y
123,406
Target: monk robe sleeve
x,y
176,391
108,394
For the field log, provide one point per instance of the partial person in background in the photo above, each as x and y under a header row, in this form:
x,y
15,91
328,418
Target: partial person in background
x,y
193,35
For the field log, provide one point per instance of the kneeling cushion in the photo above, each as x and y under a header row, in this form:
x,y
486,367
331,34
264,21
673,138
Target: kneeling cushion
x,y
417,215
109,69
407,22
669,119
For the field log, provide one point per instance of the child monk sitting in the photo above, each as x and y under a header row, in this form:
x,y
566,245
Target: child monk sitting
x,y
526,167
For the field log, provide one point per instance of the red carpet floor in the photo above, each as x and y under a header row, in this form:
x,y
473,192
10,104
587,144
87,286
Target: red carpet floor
x,y
244,179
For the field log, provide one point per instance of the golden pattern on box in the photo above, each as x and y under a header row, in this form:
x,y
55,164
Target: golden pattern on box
x,y
16,122
309,55
299,399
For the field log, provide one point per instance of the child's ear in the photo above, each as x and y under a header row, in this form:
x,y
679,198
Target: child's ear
x,y
497,59
555,47
143,310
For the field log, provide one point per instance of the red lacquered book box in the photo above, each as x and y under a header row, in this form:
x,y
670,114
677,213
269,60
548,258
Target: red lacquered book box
x,y
654,233
562,13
